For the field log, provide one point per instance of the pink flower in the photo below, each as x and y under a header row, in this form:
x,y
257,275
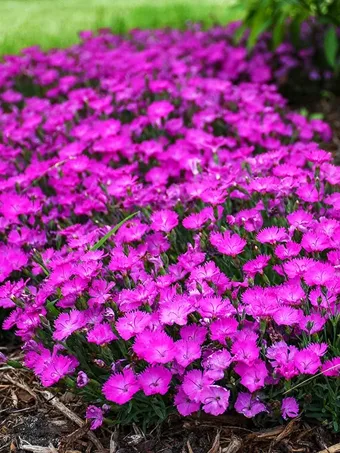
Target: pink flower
x,y
252,376
331,367
95,414
154,347
57,369
67,323
215,400
224,328
319,274
214,307
187,352
251,219
256,266
100,292
195,221
121,387
307,362
82,379
215,364
320,349
184,404
288,250
176,311
245,351
194,333
312,323
194,383
315,242
155,380
300,220
272,235
228,243
132,323
248,405
289,408
164,220
287,316
159,109
101,334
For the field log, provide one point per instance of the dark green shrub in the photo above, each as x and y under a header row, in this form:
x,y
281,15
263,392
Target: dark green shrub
x,y
284,18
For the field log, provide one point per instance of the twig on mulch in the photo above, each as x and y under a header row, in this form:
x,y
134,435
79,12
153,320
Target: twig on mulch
x,y
333,449
36,449
8,378
55,402
216,447
234,445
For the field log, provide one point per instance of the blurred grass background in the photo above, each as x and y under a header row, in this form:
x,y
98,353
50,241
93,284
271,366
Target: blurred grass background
x,y
56,23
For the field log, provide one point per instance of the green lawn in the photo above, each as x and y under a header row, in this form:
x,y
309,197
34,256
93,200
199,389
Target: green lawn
x,y
55,23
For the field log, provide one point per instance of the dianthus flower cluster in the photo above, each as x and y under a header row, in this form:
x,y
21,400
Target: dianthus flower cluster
x,y
221,293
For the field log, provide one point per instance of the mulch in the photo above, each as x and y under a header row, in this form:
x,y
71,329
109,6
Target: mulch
x,y
32,419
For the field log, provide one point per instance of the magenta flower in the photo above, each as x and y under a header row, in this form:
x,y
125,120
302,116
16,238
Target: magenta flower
x,y
312,323
100,292
224,328
315,242
184,404
95,414
155,380
272,235
307,362
164,220
245,351
319,274
215,400
289,408
214,307
300,220
320,349
287,316
256,266
252,376
154,347
159,109
194,383
288,250
227,243
176,311
57,369
82,379
132,323
215,364
331,367
67,323
101,334
195,221
121,387
194,333
248,405
187,352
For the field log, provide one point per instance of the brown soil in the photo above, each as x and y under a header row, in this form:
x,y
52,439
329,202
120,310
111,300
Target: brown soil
x,y
31,421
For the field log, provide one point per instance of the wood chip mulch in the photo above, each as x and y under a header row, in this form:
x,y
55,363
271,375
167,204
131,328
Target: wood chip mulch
x,y
32,419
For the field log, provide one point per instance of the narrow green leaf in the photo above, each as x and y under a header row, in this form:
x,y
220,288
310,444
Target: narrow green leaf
x,y
259,24
107,236
14,364
50,306
279,31
331,46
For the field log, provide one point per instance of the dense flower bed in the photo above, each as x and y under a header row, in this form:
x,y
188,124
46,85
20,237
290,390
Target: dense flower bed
x,y
222,291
